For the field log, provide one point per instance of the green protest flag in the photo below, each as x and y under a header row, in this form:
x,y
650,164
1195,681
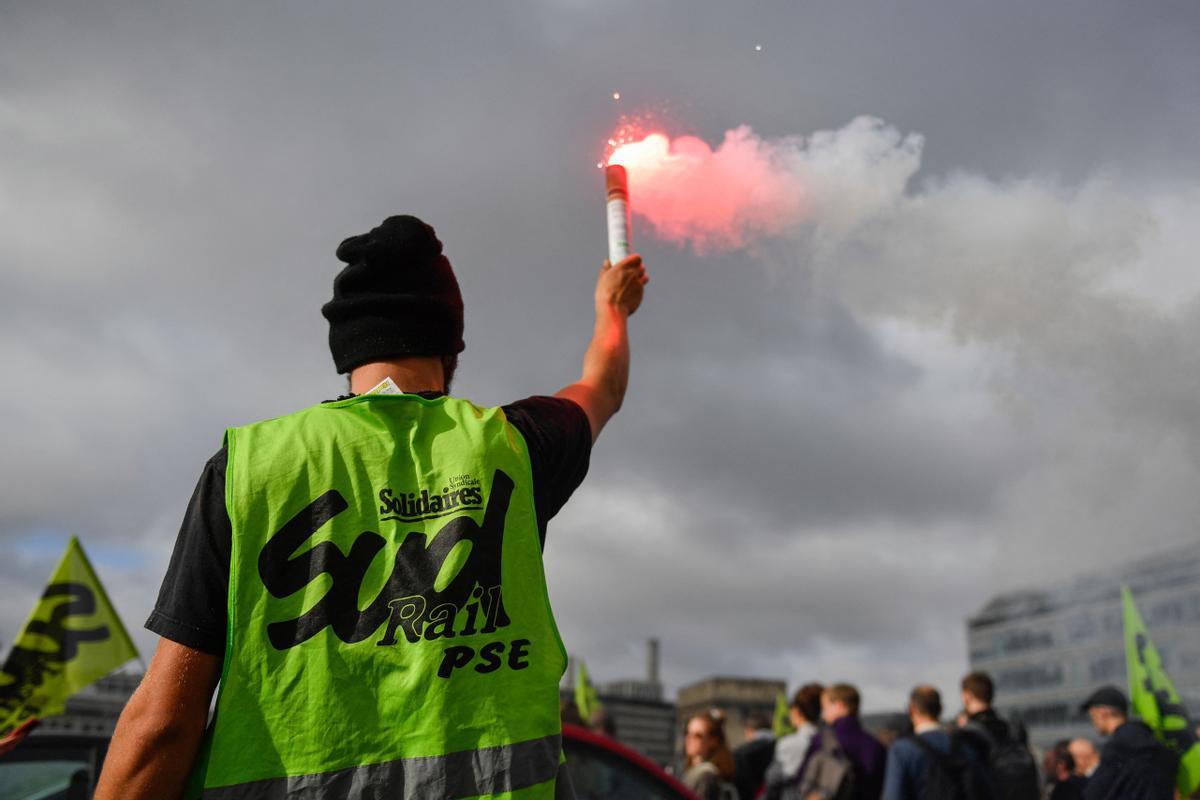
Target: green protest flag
x,y
72,638
1155,700
782,724
587,699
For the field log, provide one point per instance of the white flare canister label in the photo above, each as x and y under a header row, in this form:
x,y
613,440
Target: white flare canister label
x,y
619,246
618,230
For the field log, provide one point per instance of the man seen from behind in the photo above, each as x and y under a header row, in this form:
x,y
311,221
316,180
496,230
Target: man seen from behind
x,y
1011,766
791,751
933,763
839,708
364,577
752,757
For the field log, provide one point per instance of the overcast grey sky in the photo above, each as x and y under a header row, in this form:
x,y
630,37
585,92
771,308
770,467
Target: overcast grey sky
x,y
837,443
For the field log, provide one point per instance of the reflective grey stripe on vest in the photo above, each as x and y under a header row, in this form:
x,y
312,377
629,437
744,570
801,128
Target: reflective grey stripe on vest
x,y
491,770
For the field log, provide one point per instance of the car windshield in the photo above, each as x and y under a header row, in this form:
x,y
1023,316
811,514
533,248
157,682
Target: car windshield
x,y
65,779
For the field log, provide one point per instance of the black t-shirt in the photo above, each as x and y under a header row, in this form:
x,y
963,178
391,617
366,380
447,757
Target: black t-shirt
x,y
192,603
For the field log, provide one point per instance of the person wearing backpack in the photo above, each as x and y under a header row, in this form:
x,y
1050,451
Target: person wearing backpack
x,y
839,709
1011,766
810,763
933,764
792,750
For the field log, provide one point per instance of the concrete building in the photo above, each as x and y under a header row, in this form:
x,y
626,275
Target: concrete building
x,y
737,697
1047,650
647,726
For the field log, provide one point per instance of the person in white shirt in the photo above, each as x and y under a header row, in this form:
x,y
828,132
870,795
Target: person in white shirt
x,y
791,750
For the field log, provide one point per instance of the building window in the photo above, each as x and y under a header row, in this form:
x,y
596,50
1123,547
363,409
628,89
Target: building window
x,y
1193,610
1082,627
1166,612
1034,677
1023,640
1047,714
1105,669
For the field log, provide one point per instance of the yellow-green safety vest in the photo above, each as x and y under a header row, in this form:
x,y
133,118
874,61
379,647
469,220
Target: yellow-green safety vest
x,y
390,633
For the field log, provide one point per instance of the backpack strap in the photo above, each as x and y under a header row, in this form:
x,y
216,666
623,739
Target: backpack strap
x,y
985,743
930,750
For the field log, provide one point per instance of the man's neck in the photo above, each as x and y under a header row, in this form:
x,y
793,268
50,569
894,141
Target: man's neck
x,y
924,725
412,375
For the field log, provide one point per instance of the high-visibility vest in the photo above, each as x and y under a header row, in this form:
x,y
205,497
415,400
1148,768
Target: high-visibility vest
x,y
390,633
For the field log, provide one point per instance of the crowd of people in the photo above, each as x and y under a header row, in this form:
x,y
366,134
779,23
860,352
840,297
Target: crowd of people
x,y
977,756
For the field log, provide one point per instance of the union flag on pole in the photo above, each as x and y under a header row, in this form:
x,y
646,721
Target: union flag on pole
x,y
1155,700
781,723
587,699
72,638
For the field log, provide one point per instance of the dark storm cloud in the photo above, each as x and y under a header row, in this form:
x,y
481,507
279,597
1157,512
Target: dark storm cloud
x,y
805,427
792,463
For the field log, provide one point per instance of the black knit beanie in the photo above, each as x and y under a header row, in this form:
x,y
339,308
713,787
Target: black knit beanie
x,y
396,297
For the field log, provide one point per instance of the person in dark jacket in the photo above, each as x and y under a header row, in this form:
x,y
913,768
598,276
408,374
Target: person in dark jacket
x,y
839,709
978,691
752,757
1133,764
1059,766
1013,770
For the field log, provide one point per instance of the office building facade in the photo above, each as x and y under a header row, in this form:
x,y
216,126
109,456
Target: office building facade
x,y
1047,650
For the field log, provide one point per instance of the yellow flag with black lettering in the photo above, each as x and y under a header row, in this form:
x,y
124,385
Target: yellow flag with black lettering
x,y
73,637
1155,700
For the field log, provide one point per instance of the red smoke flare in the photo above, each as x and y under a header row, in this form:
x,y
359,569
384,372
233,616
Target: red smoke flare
x,y
712,199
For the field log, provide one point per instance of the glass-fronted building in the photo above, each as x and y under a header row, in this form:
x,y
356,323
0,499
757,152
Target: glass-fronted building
x,y
1047,650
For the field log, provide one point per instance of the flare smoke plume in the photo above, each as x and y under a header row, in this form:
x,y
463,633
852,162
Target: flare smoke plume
x,y
749,187
1067,278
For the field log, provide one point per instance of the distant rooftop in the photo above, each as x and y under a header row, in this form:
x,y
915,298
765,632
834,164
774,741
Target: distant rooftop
x,y
1168,568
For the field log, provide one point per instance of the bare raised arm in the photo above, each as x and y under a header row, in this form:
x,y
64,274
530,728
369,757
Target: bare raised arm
x,y
601,388
159,733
